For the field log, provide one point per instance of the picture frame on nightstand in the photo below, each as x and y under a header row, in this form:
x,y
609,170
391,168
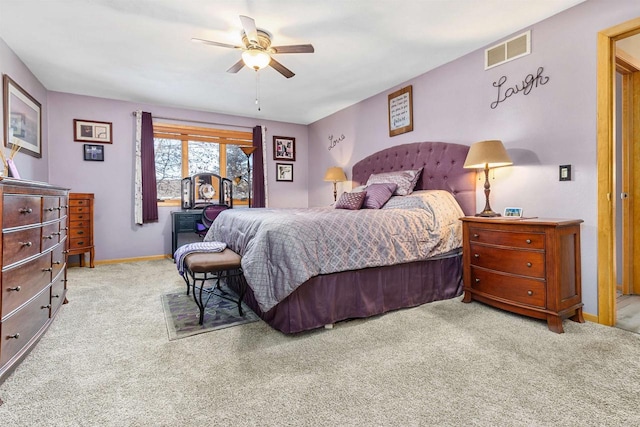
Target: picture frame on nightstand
x,y
513,212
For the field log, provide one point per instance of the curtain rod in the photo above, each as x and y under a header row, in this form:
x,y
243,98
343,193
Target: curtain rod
x,y
197,121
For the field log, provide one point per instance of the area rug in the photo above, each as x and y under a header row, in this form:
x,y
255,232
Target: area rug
x,y
181,314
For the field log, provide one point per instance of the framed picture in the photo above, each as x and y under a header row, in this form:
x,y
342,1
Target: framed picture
x,y
94,153
91,131
22,119
401,111
513,212
284,148
284,172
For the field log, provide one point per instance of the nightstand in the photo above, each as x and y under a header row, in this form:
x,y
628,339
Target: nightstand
x,y
526,266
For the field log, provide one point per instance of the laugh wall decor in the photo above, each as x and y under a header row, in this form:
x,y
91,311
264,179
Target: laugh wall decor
x,y
528,83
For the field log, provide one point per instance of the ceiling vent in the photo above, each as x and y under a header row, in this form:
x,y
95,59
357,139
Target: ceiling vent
x,y
508,50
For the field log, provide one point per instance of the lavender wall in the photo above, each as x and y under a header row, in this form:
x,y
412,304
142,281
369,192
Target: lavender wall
x,y
116,235
555,124
29,167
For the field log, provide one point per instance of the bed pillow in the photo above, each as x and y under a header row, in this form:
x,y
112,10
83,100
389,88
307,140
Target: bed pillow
x,y
378,194
351,201
358,189
405,180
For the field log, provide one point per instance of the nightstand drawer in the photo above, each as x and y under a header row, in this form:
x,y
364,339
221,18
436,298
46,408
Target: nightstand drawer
x,y
524,263
507,238
519,289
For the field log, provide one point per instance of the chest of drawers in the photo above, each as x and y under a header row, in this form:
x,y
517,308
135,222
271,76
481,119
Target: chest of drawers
x,y
526,266
81,226
34,239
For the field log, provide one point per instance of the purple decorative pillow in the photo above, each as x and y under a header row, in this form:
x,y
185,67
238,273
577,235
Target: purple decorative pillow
x,y
352,201
378,194
405,180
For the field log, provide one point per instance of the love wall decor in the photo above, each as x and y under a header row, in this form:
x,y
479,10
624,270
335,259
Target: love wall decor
x,y
530,82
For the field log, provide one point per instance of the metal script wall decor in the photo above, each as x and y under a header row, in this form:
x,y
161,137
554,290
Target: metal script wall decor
x,y
529,82
334,141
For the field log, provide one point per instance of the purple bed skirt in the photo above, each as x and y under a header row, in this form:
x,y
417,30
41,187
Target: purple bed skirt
x,y
330,298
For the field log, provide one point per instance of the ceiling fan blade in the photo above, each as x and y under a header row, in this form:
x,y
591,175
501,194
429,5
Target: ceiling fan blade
x,y
297,48
249,27
236,67
281,69
212,43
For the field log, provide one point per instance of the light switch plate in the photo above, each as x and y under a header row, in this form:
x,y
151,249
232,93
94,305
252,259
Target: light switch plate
x,y
565,172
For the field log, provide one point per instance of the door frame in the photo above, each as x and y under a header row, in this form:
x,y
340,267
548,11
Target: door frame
x,y
606,69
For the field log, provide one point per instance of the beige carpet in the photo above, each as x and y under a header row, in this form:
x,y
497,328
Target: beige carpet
x,y
106,361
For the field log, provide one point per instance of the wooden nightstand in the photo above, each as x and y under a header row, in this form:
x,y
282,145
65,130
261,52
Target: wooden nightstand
x,y
526,266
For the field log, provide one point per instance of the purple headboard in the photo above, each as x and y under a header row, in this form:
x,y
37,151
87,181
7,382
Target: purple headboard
x,y
442,164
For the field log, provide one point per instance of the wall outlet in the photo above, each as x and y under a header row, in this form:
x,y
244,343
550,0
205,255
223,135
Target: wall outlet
x,y
565,172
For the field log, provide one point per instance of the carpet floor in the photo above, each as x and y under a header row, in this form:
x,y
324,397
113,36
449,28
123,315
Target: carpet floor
x,y
107,361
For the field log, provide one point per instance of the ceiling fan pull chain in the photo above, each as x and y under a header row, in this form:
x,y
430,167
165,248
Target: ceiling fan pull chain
x,y
258,89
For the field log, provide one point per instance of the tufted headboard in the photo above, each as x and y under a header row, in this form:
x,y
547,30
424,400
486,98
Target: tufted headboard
x,y
442,168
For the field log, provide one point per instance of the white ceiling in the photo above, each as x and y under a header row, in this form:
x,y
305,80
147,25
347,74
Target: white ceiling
x,y
140,50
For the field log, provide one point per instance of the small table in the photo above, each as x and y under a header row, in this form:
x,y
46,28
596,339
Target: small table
x,y
183,221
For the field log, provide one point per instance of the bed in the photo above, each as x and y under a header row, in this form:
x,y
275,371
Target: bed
x,y
329,293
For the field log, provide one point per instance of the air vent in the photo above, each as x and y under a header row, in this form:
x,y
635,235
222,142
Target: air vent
x,y
508,50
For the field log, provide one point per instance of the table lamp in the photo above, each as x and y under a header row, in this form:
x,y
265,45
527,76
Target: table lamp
x,y
487,154
335,174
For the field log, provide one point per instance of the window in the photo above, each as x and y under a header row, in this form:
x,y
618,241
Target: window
x,y
182,151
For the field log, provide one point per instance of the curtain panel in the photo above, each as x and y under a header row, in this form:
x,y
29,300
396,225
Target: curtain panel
x,y
258,188
146,196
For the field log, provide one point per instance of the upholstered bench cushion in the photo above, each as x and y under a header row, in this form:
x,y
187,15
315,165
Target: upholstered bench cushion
x,y
209,262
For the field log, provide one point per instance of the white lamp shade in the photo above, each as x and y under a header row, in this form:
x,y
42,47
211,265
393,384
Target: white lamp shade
x,y
256,58
490,153
335,174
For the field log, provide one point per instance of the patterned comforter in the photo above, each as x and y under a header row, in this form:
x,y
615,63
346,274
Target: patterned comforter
x,y
283,248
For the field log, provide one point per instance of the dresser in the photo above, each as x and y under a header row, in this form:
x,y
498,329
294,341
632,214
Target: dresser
x,y
81,226
34,267
526,266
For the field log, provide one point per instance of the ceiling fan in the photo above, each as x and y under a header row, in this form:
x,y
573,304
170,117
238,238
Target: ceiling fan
x,y
257,50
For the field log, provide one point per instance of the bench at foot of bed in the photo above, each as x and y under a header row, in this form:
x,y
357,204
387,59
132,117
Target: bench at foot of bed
x,y
199,267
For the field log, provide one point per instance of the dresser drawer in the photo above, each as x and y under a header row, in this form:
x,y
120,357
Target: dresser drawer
x,y
82,232
58,259
507,238
519,289
83,216
78,210
81,223
79,242
18,245
79,202
23,325
525,263
20,210
57,293
50,235
23,282
50,208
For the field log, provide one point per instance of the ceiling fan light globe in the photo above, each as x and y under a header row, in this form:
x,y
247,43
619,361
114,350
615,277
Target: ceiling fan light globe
x,y
256,58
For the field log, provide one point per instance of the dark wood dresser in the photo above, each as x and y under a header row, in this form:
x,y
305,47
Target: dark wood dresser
x,y
81,226
526,266
34,267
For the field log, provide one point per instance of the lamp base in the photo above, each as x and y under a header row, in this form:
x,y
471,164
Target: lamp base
x,y
488,214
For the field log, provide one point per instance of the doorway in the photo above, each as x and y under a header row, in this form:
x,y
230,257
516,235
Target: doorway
x,y
627,57
606,165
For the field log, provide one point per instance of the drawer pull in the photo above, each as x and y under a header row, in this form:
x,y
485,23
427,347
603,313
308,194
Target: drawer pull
x,y
476,235
14,336
529,293
476,255
477,280
47,237
47,269
51,209
57,262
80,232
65,252
25,210
17,289
55,296
27,244
45,306
528,241
80,243
66,228
57,233
529,264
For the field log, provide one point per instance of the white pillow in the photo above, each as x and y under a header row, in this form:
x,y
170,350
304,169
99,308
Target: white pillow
x,y
405,180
